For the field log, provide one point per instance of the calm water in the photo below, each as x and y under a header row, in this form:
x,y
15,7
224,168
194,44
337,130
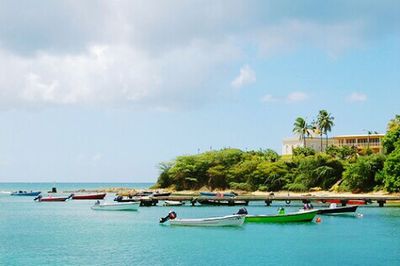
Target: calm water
x,y
70,233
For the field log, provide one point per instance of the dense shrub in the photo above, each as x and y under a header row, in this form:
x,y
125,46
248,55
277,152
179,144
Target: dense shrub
x,y
303,151
362,175
391,171
240,186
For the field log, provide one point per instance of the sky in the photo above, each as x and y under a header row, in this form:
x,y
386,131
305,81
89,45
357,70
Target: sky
x,y
103,91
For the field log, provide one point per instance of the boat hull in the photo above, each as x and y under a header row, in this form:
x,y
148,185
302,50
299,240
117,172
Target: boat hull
x,y
144,201
306,216
162,194
350,202
230,220
89,196
223,202
128,206
217,194
27,194
338,210
56,199
52,199
173,203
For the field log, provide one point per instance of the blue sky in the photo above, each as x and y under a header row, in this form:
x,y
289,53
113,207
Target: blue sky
x,y
105,90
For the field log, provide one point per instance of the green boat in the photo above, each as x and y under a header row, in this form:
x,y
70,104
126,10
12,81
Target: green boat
x,y
281,217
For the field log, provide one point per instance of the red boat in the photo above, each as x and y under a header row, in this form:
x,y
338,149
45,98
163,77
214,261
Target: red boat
x,y
55,199
350,202
98,196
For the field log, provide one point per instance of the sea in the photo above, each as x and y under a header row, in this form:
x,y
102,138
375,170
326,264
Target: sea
x,y
71,233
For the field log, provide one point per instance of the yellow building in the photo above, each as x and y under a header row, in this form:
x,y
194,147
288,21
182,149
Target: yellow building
x,y
362,142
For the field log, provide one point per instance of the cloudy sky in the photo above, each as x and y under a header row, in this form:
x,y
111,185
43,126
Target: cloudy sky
x,y
105,90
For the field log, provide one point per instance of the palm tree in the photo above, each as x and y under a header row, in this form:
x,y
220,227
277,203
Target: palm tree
x,y
325,124
317,130
369,135
394,123
302,129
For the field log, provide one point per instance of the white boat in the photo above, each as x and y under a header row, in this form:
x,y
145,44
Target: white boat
x,y
121,206
173,203
229,220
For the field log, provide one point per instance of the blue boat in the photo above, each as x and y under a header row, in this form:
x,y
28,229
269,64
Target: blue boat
x,y
26,193
218,194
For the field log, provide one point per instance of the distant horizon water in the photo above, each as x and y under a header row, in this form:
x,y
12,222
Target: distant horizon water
x,y
61,186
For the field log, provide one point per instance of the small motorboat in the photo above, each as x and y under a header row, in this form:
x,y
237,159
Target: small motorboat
x,y
229,220
222,202
350,202
151,194
98,196
144,201
160,194
26,193
125,206
282,217
53,190
333,209
173,203
40,198
142,194
218,194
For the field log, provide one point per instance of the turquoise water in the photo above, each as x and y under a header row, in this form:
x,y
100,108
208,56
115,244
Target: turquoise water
x,y
70,233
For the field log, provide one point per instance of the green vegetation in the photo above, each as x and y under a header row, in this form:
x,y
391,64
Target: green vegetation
x,y
302,129
391,143
265,170
324,124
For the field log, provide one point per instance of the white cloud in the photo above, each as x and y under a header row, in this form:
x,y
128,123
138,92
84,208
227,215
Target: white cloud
x,y
161,55
117,75
245,77
268,98
293,97
357,97
296,96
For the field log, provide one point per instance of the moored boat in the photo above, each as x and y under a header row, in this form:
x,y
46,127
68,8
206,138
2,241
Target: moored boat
x,y
125,206
218,194
144,201
222,202
151,194
40,198
333,209
160,194
173,203
229,220
98,196
282,217
26,193
350,202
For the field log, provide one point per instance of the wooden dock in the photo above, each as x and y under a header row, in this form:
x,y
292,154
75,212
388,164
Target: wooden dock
x,y
344,200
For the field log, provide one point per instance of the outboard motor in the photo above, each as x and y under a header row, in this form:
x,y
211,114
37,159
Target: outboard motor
x,y
38,198
171,215
118,198
242,211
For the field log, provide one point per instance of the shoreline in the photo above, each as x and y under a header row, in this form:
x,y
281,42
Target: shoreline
x,y
130,191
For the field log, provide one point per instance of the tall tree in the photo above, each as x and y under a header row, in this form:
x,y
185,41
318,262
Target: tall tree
x,y
325,124
302,129
392,137
317,130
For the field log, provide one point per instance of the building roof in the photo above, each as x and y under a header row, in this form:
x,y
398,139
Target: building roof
x,y
359,136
